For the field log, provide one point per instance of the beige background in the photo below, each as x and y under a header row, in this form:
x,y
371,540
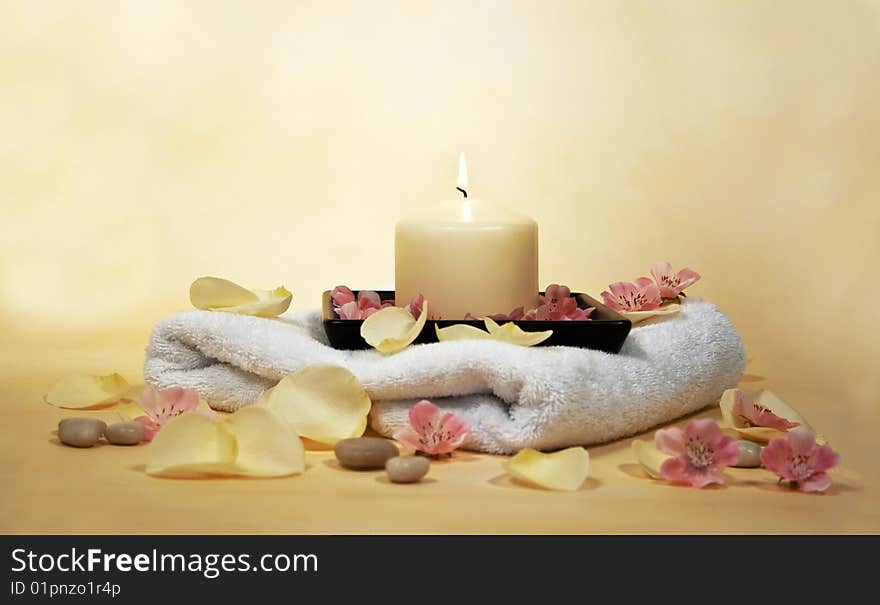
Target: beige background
x,y
143,144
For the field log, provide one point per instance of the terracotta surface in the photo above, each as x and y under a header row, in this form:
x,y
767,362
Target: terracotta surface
x,y
54,488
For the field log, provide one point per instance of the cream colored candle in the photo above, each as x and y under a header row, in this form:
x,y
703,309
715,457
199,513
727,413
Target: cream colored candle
x,y
466,256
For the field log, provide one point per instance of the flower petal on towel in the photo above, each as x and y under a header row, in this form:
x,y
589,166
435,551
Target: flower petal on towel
x,y
563,470
215,294
191,445
512,333
78,391
649,457
461,332
267,445
323,403
393,328
761,434
640,316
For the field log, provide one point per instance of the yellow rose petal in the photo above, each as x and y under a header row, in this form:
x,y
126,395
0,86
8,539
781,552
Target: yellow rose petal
x,y
640,316
512,333
563,470
191,445
461,332
649,457
78,391
267,446
215,294
760,434
393,329
323,403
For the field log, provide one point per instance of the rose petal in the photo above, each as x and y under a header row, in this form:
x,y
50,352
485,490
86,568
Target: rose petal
x,y
563,470
78,391
191,445
323,403
267,444
461,332
649,457
512,333
640,316
760,434
215,294
393,329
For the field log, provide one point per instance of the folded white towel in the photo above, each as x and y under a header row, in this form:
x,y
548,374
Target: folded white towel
x,y
511,396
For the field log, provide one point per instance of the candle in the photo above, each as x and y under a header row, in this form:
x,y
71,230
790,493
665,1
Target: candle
x,y
467,256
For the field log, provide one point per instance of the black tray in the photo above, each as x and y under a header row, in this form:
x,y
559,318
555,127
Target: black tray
x,y
605,332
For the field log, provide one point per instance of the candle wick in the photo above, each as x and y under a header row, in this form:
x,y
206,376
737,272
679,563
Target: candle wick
x,y
463,191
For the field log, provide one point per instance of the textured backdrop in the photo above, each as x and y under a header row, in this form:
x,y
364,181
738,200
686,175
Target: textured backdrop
x,y
143,144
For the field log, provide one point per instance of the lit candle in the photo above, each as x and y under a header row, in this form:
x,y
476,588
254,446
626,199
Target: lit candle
x,y
466,256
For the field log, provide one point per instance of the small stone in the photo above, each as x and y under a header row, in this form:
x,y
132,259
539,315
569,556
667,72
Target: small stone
x,y
80,432
749,454
407,469
364,453
125,433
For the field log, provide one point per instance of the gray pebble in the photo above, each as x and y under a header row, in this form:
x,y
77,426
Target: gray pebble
x,y
749,454
125,433
80,432
364,453
407,469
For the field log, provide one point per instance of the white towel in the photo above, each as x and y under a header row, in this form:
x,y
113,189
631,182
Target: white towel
x,y
512,397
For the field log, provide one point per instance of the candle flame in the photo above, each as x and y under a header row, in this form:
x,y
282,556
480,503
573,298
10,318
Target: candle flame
x,y
462,171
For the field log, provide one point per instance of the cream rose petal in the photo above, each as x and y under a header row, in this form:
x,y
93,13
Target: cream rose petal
x,y
393,328
512,333
461,332
191,445
563,470
215,294
77,391
762,434
323,403
640,316
649,457
267,445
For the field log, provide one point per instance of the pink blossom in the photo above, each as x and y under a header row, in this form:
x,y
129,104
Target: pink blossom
x,y
555,295
699,452
162,406
415,305
757,415
341,295
798,458
641,295
431,431
557,304
347,307
671,284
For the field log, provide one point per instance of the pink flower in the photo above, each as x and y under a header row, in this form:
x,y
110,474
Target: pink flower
x,y
341,295
798,458
347,307
431,431
641,295
671,284
699,452
557,304
555,295
757,415
415,305
162,406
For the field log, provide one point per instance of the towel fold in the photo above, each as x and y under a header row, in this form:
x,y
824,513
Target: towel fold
x,y
511,396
